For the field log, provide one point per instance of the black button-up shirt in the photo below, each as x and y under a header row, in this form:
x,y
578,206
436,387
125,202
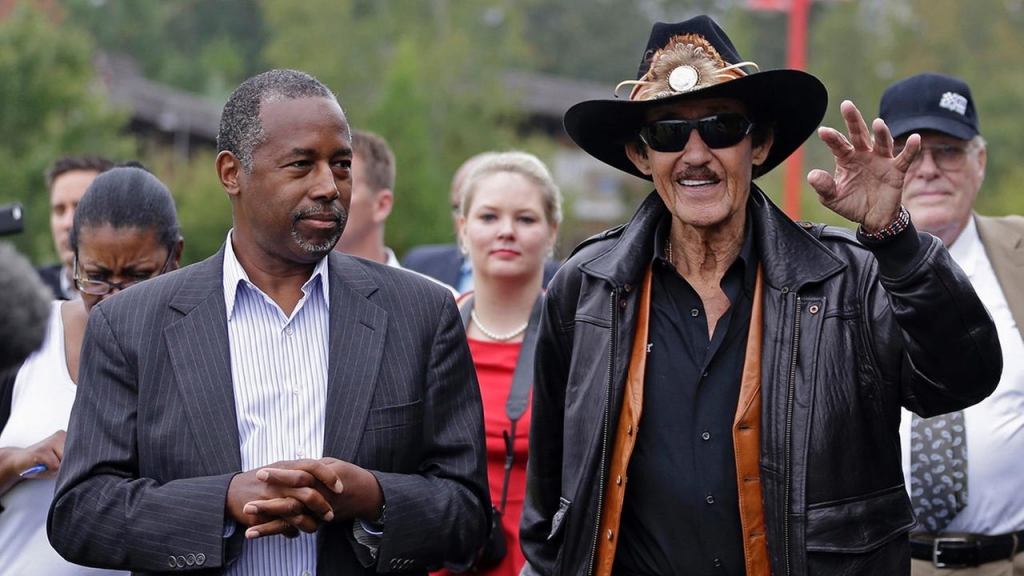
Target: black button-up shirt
x,y
681,509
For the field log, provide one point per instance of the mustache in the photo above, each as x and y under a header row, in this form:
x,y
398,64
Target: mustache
x,y
331,210
697,173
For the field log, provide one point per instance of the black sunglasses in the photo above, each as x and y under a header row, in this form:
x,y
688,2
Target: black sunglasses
x,y
718,131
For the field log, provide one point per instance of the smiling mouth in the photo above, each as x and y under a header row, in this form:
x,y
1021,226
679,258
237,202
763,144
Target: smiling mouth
x,y
689,183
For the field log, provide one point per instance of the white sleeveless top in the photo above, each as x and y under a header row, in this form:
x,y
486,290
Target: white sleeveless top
x,y
43,396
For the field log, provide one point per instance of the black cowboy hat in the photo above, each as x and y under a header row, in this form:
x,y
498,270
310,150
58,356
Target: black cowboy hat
x,y
791,101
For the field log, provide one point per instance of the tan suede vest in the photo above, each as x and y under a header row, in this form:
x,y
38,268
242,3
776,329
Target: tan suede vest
x,y
746,434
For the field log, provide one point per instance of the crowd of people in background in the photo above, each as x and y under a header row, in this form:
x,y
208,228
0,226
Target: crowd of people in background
x,y
710,388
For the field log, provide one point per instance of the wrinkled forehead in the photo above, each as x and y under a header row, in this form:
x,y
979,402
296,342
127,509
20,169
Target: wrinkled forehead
x,y
696,108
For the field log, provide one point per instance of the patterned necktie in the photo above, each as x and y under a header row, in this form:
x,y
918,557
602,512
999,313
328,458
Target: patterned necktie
x,y
938,469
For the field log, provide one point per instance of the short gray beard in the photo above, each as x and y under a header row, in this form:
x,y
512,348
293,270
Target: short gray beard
x,y
321,248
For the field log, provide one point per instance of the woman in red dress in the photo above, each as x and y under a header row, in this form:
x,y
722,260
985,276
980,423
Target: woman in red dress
x,y
509,216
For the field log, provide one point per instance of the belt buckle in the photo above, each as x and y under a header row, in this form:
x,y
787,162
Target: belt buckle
x,y
937,551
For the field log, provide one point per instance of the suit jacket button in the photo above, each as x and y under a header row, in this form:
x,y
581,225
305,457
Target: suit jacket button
x,y
171,562
190,560
394,564
180,561
200,559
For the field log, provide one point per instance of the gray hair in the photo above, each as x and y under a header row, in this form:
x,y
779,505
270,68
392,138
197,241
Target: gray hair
x,y
241,130
515,162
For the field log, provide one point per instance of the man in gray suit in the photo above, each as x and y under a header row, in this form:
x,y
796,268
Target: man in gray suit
x,y
982,531
278,388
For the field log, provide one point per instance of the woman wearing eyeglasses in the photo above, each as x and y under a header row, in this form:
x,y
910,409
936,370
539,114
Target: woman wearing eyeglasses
x,y
125,231
508,220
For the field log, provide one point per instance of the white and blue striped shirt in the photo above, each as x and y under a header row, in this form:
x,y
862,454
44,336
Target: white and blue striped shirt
x,y
279,376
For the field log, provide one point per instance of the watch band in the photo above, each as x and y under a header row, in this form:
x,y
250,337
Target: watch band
x,y
895,227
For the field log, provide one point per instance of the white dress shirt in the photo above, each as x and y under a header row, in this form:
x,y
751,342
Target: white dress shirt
x,y
279,376
995,426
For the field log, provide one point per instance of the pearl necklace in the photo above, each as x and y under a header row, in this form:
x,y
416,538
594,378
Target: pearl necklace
x,y
497,337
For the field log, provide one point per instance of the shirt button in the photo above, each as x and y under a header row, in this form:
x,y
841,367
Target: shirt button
x,y
289,331
695,312
296,391
306,573
300,452
718,562
706,435
710,499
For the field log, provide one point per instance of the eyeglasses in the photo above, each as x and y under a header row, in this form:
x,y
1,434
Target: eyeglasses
x,y
948,157
718,131
101,287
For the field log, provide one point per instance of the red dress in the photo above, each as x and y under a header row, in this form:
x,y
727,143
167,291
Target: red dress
x,y
495,363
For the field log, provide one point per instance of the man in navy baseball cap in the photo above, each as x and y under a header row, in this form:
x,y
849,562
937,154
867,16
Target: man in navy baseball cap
x,y
976,493
944,180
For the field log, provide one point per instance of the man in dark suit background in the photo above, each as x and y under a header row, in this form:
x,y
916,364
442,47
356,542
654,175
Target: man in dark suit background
x,y
66,181
447,262
276,388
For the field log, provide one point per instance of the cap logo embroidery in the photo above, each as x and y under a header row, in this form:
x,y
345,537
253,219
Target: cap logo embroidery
x,y
953,102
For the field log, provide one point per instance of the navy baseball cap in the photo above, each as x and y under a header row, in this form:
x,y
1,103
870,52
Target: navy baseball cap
x,y
929,101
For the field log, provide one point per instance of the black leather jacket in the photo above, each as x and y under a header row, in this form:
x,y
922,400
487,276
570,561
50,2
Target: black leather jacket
x,y
850,335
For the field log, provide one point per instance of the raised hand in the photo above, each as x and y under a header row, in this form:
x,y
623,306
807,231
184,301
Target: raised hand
x,y
868,183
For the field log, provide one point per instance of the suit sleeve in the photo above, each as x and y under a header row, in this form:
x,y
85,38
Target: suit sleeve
x,y
442,513
104,513
951,356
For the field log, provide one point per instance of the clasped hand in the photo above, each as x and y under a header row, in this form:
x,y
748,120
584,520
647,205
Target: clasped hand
x,y
867,187
300,495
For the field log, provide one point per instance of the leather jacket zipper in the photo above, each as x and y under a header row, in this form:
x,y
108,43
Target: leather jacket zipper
x,y
604,436
789,432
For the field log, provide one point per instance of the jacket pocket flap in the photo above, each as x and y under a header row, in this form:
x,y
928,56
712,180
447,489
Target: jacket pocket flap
x,y
855,525
398,415
559,518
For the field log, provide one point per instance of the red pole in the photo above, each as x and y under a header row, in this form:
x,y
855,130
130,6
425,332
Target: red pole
x,y
796,58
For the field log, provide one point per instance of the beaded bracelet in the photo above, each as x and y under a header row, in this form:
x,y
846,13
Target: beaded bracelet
x,y
898,225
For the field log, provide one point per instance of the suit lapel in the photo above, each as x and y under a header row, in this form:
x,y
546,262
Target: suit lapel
x,y
198,349
358,329
1004,245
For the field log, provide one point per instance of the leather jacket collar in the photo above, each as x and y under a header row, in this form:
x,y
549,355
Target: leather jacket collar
x,y
797,258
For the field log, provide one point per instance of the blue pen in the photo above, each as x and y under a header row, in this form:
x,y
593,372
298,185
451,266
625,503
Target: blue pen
x,y
33,470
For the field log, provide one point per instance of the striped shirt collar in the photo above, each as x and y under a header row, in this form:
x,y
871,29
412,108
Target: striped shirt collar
x,y
234,274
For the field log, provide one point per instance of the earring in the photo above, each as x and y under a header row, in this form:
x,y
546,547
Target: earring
x,y
463,249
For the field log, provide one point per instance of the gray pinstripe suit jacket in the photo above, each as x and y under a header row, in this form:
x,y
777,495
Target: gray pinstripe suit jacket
x,y
153,441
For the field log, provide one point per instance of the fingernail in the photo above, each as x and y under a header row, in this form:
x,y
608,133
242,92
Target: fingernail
x,y
329,516
252,533
249,509
262,475
338,487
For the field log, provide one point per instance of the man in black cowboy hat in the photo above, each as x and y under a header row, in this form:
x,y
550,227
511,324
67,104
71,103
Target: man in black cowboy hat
x,y
718,388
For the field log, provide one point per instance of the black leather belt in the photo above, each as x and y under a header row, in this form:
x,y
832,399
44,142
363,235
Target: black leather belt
x,y
965,550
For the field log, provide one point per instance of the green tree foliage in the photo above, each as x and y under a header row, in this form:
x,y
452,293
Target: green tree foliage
x,y
50,105
205,46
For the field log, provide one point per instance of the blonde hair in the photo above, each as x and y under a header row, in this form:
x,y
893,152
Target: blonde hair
x,y
514,162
